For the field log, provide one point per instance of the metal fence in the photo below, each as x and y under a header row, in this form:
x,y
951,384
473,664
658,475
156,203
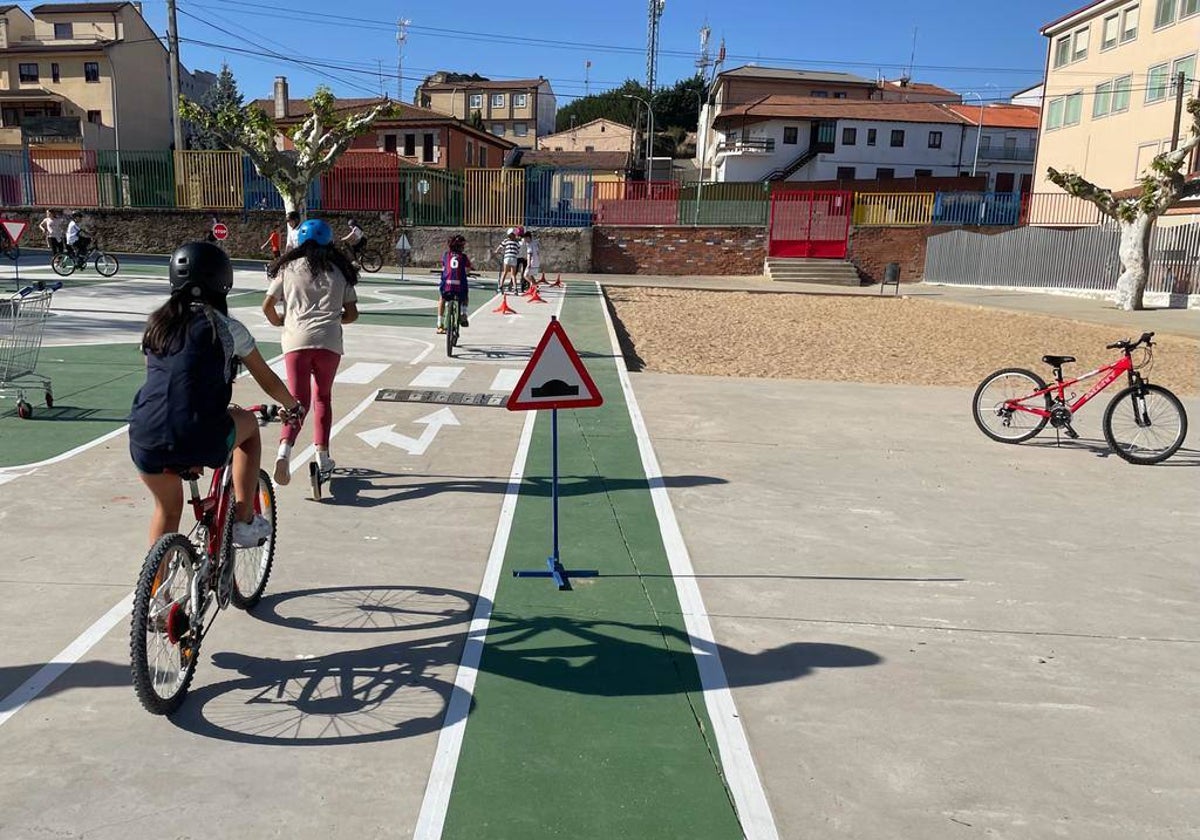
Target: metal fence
x,y
1084,258
977,209
893,209
1059,209
494,197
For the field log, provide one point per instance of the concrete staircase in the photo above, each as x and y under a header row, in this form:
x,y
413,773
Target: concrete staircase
x,y
831,272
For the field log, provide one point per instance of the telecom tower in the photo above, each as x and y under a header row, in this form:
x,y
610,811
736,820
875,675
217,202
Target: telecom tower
x,y
401,38
705,60
656,10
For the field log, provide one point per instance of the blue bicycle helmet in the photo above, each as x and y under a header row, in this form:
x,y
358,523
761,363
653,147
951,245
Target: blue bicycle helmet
x,y
316,230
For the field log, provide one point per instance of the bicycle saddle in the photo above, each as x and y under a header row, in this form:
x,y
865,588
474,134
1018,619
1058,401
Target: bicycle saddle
x,y
1057,361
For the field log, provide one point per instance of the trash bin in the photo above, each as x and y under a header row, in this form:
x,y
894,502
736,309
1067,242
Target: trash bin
x,y
891,275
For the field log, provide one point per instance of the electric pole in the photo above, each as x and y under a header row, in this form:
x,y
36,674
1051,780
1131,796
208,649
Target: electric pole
x,y
401,38
1179,83
173,58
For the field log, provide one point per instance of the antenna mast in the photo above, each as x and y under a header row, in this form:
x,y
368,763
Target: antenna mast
x,y
705,60
401,39
655,14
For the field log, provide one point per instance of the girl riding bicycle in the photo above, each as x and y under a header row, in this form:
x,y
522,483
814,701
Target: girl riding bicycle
x,y
181,417
453,285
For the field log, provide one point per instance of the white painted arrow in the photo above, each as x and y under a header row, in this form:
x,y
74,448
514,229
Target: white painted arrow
x,y
413,446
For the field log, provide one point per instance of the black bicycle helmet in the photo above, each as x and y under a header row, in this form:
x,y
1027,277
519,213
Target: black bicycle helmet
x,y
456,242
202,267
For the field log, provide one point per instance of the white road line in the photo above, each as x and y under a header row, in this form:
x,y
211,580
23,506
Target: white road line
x,y
505,380
750,799
71,654
445,760
436,377
361,373
307,452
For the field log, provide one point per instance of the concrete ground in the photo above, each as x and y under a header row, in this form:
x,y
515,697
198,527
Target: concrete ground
x,y
997,640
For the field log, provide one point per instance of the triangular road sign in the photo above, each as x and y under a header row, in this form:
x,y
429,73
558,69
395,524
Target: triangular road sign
x,y
14,229
555,377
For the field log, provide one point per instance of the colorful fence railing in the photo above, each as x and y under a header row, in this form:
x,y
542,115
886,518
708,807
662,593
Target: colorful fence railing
x,y
893,209
494,198
558,197
977,209
725,204
431,197
209,180
1059,209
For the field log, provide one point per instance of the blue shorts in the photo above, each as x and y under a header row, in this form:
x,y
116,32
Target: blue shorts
x,y
460,296
213,453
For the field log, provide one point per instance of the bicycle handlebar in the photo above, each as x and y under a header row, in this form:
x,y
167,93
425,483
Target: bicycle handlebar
x,y
1129,344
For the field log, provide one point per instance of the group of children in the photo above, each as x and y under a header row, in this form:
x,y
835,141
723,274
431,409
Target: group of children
x,y
65,233
521,260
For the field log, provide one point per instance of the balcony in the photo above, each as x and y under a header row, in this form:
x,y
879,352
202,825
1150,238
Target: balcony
x,y
1001,153
750,146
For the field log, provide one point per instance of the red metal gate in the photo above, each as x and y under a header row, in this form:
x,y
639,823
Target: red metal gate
x,y
805,223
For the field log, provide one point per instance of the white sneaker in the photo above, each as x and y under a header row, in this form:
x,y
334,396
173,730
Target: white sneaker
x,y
251,534
283,470
324,463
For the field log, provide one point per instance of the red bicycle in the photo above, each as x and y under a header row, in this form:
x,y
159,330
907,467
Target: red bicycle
x,y
184,577
1144,423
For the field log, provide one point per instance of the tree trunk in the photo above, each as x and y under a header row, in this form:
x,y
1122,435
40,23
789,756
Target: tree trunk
x,y
294,197
1134,251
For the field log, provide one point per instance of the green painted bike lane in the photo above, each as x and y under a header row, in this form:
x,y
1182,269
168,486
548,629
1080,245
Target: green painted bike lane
x,y
587,719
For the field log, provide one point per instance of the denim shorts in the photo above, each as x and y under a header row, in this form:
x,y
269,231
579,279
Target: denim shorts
x,y
210,454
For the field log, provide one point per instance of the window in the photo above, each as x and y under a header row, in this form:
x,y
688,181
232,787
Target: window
x,y
885,173
11,117
28,72
498,129
483,156
1120,94
1156,83
54,72
475,100
1073,109
791,135
1186,66
839,94
1129,24
1081,44
845,173
91,71
1188,8
427,148
1054,114
520,100
935,139
410,145
520,129
589,148
93,117
1062,51
897,138
497,100
923,173
1102,102
62,32
985,142
1010,144
1164,14
819,94
870,137
470,153
389,143
849,136
1110,32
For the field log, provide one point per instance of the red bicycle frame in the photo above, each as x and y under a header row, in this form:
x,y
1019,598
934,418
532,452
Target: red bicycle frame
x,y
1108,373
211,509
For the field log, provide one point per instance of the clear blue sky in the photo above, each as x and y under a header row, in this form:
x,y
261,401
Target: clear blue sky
x,y
992,47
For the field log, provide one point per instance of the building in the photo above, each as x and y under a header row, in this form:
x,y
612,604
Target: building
x,y
418,136
520,110
1031,95
906,90
603,166
1110,91
802,139
83,75
596,136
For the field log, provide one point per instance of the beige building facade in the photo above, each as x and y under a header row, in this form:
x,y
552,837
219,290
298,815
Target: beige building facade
x,y
596,136
519,111
1110,91
82,75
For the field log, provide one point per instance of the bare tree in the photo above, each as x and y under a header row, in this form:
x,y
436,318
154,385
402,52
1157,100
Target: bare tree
x,y
1164,186
318,140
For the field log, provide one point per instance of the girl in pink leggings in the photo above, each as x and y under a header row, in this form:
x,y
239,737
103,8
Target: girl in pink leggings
x,y
315,282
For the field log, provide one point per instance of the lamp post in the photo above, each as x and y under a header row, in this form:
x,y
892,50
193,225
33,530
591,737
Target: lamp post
x,y
978,131
650,135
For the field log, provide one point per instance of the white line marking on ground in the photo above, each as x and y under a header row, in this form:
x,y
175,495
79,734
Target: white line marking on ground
x,y
506,379
754,812
72,653
436,377
307,452
432,817
361,373
429,347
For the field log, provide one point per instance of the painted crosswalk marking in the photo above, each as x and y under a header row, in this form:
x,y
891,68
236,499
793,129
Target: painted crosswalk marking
x,y
505,380
361,373
436,377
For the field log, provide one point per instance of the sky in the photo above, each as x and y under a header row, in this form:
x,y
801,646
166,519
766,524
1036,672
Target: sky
x,y
991,48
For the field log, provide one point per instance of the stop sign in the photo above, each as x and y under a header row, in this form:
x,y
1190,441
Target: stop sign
x,y
220,231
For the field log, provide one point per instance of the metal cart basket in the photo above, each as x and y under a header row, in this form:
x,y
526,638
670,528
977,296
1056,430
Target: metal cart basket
x,y
22,324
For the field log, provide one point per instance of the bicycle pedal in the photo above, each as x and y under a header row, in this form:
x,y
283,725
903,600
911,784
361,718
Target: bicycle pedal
x,y
1071,433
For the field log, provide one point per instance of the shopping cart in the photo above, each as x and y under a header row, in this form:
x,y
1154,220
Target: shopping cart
x,y
22,323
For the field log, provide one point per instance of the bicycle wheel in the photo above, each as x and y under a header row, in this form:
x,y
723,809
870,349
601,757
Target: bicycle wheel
x,y
63,265
106,264
163,646
1145,424
370,261
996,392
252,566
450,325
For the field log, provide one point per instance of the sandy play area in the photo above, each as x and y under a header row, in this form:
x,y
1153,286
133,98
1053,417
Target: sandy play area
x,y
864,339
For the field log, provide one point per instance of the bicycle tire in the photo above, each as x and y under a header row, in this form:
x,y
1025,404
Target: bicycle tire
x,y
978,413
370,261
143,626
247,594
450,325
63,265
110,264
1128,396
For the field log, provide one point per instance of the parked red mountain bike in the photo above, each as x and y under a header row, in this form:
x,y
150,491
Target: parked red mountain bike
x,y
1143,423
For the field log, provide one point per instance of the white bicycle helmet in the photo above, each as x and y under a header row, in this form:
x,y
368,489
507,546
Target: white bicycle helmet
x,y
510,232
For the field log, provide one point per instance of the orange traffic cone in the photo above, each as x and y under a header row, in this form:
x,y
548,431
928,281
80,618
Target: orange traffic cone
x,y
504,308
542,279
557,280
534,296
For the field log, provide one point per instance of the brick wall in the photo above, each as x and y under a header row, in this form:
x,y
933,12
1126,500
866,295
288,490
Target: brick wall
x,y
678,250
872,248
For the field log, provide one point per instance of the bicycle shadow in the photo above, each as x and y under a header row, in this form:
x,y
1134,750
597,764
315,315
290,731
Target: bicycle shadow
x,y
1183,457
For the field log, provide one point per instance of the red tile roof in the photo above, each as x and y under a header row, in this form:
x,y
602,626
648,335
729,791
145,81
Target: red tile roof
x,y
1000,116
576,160
76,8
922,87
